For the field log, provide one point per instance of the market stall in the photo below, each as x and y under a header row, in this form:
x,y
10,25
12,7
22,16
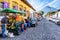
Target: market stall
x,y
12,23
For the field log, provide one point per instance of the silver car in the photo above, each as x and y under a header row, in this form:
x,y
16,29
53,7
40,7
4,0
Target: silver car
x,y
33,22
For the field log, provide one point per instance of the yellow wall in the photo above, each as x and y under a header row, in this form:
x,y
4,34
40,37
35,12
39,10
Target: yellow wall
x,y
17,3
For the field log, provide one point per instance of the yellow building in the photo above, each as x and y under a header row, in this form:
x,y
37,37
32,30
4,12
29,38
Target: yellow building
x,y
21,5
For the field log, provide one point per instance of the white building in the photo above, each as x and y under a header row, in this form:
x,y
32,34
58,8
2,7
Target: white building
x,y
57,14
31,13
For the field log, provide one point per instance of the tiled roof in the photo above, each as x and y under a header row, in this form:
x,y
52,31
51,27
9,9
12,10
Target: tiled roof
x,y
26,2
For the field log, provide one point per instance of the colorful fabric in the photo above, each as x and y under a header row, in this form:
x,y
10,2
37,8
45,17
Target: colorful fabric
x,y
19,18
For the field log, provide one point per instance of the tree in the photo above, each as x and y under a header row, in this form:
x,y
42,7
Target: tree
x,y
50,14
41,12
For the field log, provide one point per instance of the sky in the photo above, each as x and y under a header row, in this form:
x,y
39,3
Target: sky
x,y
48,9
42,4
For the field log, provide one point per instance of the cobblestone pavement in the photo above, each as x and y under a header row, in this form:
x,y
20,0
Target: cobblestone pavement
x,y
44,31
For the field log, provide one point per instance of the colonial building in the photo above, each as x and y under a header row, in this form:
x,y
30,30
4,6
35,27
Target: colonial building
x,y
21,5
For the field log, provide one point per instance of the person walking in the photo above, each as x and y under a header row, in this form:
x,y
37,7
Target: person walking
x,y
25,24
3,22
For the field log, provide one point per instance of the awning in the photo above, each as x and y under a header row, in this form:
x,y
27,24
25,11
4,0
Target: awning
x,y
22,12
8,10
1,10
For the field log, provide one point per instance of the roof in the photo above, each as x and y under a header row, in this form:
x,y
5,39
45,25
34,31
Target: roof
x,y
26,2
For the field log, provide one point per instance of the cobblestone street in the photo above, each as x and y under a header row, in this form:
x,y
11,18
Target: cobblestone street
x,y
44,31
29,20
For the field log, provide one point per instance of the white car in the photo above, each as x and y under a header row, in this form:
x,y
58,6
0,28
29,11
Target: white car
x,y
55,20
50,19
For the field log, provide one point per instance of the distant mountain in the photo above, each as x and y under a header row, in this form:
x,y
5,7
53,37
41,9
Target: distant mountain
x,y
48,9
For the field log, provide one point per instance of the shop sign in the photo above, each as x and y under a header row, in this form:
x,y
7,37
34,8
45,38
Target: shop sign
x,y
6,5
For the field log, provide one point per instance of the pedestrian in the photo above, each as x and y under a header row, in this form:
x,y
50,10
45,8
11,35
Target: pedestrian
x,y
10,25
22,26
18,24
3,25
28,22
25,25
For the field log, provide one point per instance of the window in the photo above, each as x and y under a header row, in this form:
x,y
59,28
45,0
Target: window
x,y
20,9
24,10
15,7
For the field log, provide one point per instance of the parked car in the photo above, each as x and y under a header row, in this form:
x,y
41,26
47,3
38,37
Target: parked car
x,y
57,21
53,20
50,19
33,22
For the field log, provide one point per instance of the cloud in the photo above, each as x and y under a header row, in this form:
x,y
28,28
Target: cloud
x,y
52,2
56,4
40,4
41,7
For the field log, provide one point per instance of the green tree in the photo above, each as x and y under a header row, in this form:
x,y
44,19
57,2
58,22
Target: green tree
x,y
50,14
41,12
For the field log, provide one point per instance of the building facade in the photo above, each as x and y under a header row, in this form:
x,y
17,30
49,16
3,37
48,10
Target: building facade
x,y
21,5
